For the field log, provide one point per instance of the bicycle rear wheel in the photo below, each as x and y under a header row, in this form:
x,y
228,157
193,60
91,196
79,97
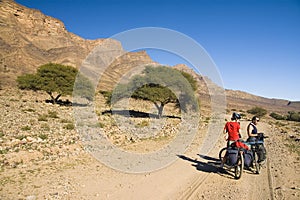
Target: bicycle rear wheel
x,y
238,169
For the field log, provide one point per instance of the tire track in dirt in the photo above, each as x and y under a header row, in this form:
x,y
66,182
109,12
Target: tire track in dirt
x,y
192,189
270,179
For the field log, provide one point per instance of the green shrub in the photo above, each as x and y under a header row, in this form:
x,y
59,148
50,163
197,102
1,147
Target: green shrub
x,y
69,126
4,151
52,114
277,116
29,110
26,128
258,111
20,137
142,124
42,118
65,121
293,116
43,136
45,127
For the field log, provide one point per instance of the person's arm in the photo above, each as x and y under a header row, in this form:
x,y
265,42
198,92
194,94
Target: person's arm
x,y
248,130
224,132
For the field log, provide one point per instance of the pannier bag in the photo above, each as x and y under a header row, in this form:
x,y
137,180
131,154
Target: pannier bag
x,y
232,156
248,157
261,153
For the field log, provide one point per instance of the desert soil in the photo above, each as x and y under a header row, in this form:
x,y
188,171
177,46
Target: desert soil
x,y
42,157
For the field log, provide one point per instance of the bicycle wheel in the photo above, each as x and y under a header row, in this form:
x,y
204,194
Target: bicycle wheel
x,y
222,153
238,170
255,163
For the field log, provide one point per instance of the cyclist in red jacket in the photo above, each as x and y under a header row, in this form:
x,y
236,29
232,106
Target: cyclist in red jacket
x,y
232,128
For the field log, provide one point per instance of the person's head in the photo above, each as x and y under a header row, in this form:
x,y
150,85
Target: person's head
x,y
255,119
235,116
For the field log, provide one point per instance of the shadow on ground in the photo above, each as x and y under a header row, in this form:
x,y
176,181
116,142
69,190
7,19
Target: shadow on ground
x,y
211,166
136,114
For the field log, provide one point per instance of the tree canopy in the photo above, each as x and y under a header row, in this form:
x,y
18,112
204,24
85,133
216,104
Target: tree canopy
x,y
55,78
159,85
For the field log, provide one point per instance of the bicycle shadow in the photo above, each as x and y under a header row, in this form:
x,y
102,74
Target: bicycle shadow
x,y
211,166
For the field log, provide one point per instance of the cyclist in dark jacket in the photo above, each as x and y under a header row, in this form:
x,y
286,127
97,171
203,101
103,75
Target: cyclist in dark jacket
x,y
253,136
252,129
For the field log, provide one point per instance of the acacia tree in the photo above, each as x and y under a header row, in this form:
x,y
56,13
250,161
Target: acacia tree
x,y
56,80
159,85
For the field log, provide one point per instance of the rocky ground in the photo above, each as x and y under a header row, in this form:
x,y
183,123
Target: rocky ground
x,y
42,157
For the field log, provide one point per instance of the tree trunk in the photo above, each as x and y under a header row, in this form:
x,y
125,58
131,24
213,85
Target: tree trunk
x,y
160,109
57,97
54,99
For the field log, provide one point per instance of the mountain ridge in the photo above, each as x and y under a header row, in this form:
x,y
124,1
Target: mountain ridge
x,y
28,39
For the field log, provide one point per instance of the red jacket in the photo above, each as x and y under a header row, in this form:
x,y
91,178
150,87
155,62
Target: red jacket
x,y
232,128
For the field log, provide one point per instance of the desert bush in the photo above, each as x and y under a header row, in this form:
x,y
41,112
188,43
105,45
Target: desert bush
x,y
52,114
45,127
69,126
42,117
277,116
142,124
28,110
43,136
26,128
20,137
293,116
258,111
65,121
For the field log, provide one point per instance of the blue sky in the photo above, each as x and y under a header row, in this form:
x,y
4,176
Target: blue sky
x,y
254,43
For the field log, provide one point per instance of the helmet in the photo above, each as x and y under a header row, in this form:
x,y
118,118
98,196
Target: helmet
x,y
235,116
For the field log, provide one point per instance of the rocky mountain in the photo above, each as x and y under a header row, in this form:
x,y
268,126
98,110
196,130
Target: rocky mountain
x,y
28,39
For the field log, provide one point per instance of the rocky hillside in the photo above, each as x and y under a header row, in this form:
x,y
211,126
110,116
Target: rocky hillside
x,y
28,39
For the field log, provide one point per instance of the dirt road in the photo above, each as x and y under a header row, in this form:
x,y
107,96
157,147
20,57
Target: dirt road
x,y
196,176
192,176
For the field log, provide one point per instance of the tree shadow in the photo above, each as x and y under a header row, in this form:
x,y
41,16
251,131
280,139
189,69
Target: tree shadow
x,y
212,166
136,114
60,102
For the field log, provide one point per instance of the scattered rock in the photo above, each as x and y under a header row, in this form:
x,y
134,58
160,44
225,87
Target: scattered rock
x,y
31,197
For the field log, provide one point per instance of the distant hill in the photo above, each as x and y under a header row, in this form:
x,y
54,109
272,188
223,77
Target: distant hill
x,y
28,39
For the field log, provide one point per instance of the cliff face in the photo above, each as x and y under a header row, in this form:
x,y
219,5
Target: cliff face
x,y
28,39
